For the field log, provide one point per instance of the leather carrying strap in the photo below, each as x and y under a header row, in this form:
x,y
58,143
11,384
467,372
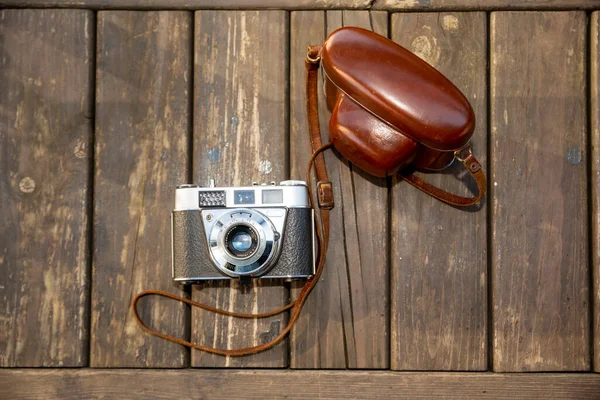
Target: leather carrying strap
x,y
324,202
472,165
324,187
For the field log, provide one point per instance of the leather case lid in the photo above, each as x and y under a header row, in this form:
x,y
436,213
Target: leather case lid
x,y
399,88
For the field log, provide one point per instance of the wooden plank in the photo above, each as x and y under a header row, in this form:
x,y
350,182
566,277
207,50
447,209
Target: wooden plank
x,y
446,5
259,384
306,344
191,4
46,60
240,136
391,5
595,182
142,130
439,275
345,322
540,274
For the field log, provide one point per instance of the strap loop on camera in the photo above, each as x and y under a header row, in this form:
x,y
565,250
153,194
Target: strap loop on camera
x,y
325,195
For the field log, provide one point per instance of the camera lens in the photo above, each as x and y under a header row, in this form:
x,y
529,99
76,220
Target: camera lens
x,y
241,241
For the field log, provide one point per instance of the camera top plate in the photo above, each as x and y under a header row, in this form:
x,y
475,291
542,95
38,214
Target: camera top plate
x,y
290,194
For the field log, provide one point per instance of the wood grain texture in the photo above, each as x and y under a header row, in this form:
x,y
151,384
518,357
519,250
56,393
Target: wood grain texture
x,y
540,274
442,5
260,384
595,182
240,136
345,322
46,66
191,4
439,271
391,5
142,129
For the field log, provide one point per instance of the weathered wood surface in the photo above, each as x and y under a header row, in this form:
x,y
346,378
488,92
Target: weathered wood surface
x,y
240,136
392,5
46,67
143,101
439,253
440,5
345,322
595,183
540,274
260,384
191,4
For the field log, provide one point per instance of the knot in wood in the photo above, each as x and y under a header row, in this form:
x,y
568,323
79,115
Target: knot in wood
x,y
27,185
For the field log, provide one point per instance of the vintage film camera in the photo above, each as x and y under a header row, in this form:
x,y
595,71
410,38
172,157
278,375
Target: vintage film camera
x,y
259,231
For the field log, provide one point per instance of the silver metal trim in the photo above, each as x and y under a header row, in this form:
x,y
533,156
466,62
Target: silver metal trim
x,y
220,278
172,250
286,277
295,196
268,227
315,244
292,182
212,278
268,243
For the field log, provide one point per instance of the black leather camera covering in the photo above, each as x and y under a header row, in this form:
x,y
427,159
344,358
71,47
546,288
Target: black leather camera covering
x,y
190,248
296,257
191,257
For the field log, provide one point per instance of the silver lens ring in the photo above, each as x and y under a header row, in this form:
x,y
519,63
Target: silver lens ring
x,y
259,260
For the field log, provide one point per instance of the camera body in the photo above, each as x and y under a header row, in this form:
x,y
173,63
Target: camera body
x,y
258,231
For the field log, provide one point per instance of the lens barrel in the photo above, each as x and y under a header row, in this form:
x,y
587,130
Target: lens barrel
x,y
241,241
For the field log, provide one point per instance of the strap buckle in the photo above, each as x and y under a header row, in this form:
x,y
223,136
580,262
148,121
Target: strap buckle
x,y
462,154
325,195
465,156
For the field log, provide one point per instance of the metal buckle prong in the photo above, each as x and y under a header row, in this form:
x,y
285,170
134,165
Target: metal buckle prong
x,y
462,154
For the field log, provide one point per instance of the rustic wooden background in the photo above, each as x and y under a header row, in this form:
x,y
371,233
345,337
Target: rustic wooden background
x,y
106,106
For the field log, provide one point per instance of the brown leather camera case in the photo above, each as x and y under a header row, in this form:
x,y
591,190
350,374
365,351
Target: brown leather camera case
x,y
390,109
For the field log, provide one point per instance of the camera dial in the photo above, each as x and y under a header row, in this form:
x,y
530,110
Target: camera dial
x,y
292,183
